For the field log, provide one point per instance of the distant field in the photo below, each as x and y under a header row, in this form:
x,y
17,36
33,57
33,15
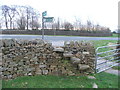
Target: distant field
x,y
114,35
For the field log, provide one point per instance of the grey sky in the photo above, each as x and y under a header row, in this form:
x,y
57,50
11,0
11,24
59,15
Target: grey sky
x,y
104,12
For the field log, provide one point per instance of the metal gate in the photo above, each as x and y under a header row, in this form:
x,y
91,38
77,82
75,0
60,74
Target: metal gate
x,y
107,59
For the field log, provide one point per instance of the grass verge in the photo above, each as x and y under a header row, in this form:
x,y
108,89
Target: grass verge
x,y
114,35
103,80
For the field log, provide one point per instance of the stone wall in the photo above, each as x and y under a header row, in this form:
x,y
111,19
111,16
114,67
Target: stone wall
x,y
37,57
59,32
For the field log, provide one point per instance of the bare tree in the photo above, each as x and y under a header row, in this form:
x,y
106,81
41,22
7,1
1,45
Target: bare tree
x,y
34,24
68,26
31,14
1,22
22,16
97,27
0,25
56,24
11,13
77,24
21,23
5,10
89,25
34,18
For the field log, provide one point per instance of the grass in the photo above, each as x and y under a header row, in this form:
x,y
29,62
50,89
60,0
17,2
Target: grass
x,y
116,67
114,35
104,43
103,80
99,43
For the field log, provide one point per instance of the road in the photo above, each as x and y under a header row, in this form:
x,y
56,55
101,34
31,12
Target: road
x,y
56,40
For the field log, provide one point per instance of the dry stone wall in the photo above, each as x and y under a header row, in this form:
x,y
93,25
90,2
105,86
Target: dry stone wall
x,y
37,57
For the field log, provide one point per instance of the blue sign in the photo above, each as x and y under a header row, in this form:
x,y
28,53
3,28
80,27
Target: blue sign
x,y
48,19
44,13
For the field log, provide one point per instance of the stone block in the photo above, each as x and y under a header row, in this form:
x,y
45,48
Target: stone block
x,y
83,66
86,52
58,50
42,66
75,60
67,54
45,72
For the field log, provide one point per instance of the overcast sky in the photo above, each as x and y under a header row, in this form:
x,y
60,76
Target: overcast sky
x,y
103,12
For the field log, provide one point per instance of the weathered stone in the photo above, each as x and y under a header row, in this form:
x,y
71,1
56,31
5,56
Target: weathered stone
x,y
67,54
91,77
86,53
95,85
38,72
42,66
58,50
45,72
20,63
83,66
29,74
75,60
8,42
78,54
36,63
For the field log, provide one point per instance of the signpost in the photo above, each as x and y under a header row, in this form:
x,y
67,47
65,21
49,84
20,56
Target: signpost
x,y
43,14
48,19
45,19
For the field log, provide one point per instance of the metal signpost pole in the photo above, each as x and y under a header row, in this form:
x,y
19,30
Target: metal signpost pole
x,y
42,26
45,19
43,14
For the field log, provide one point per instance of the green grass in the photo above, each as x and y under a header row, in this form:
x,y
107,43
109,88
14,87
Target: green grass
x,y
103,80
99,43
114,35
104,43
116,67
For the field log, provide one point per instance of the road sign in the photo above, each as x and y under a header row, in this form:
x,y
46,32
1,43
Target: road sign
x,y
48,19
44,13
45,19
